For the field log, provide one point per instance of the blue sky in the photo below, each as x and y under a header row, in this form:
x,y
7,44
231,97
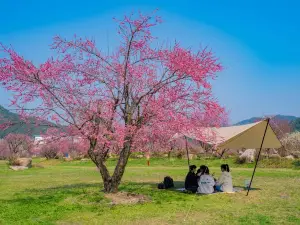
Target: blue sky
x,y
256,41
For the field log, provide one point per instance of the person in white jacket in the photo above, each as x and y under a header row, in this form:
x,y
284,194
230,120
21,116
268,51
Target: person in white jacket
x,y
224,184
206,182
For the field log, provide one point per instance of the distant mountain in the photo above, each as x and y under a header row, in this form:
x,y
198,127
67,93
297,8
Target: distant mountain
x,y
32,129
290,119
19,127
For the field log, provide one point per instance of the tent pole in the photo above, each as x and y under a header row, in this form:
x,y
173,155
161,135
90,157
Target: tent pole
x,y
187,151
257,158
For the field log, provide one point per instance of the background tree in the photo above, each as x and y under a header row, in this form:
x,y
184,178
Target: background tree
x,y
291,144
118,101
4,150
77,148
281,127
49,150
296,124
19,145
52,147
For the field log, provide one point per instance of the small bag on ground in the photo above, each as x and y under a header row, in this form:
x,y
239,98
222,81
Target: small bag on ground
x,y
168,182
161,186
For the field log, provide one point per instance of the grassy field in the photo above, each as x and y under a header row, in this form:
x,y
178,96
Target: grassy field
x,y
56,192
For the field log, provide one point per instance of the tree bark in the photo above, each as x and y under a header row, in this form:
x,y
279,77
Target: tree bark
x,y
222,153
100,163
169,155
111,183
120,167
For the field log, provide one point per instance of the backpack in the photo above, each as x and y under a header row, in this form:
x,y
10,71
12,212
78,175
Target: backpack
x,y
168,182
161,186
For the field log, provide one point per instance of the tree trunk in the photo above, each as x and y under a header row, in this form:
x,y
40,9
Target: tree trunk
x,y
222,153
120,167
97,158
111,183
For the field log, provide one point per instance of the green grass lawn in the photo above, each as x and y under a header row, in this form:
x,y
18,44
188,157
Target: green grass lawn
x,y
69,193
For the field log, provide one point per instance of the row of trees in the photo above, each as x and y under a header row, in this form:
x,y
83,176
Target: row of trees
x,y
15,146
20,145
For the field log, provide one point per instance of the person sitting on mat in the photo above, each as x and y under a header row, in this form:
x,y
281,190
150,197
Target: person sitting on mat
x,y
200,171
224,183
191,180
206,182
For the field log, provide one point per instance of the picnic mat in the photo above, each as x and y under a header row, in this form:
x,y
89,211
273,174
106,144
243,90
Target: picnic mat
x,y
235,189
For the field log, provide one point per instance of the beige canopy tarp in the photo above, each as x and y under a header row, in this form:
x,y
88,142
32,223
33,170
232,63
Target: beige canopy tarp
x,y
237,137
245,136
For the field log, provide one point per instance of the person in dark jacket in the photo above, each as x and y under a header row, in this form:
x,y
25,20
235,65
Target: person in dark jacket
x,y
191,183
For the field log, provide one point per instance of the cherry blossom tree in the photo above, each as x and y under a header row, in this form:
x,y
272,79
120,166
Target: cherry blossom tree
x,y
4,150
281,127
18,145
77,147
53,147
141,93
49,150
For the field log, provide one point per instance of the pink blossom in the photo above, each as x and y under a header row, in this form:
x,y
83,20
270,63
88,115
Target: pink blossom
x,y
137,96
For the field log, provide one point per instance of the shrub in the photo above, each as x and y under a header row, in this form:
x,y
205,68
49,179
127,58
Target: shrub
x,y
157,154
50,151
179,155
275,163
239,160
74,152
12,160
296,164
19,145
136,155
291,144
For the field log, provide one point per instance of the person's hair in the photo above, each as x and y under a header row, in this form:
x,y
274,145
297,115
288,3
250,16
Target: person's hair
x,y
204,169
225,167
200,170
192,167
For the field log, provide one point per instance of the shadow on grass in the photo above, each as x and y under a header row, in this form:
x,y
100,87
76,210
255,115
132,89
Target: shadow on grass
x,y
251,189
90,192
85,191
37,205
177,184
52,195
69,187
32,206
65,198
53,203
